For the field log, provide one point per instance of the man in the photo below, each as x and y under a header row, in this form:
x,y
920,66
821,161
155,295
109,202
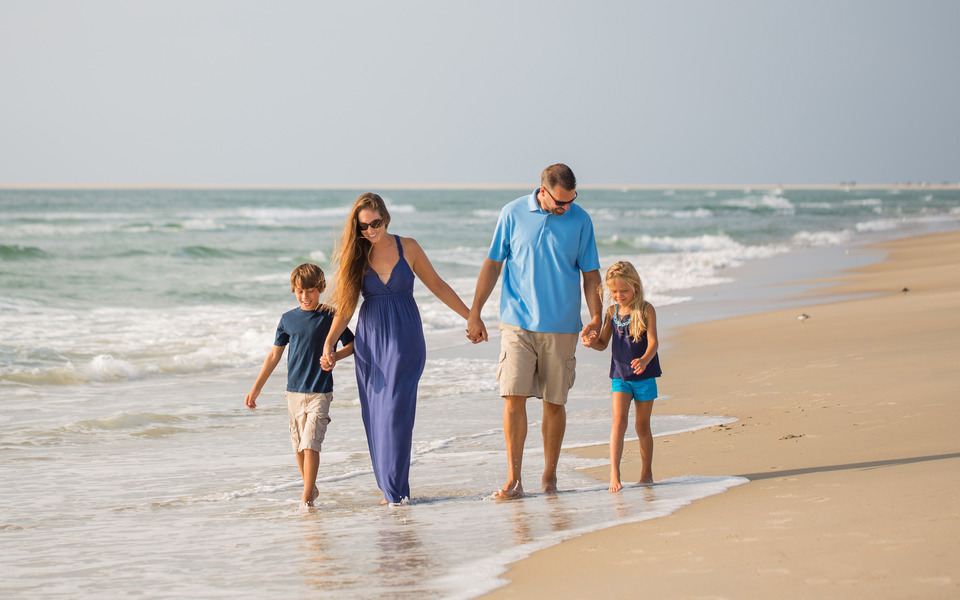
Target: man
x,y
542,243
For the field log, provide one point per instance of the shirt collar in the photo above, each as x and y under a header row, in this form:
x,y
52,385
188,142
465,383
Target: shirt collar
x,y
532,204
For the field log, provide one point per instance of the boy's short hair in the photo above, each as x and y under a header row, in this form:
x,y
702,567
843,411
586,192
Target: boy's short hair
x,y
306,277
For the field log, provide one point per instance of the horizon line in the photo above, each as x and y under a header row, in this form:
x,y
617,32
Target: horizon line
x,y
476,186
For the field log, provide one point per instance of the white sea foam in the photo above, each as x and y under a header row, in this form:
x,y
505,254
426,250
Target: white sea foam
x,y
822,238
127,343
105,367
278,214
319,256
864,202
700,213
878,225
203,224
768,201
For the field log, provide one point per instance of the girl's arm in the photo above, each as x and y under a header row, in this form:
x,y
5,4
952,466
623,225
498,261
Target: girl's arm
x,y
420,265
653,343
600,342
269,364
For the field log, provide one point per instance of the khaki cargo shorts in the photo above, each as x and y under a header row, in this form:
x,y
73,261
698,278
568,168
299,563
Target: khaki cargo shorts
x,y
536,364
309,415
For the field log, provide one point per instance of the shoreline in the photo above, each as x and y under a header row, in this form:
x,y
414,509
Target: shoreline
x,y
845,431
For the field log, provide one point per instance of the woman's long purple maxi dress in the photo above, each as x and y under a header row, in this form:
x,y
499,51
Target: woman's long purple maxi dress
x,y
390,354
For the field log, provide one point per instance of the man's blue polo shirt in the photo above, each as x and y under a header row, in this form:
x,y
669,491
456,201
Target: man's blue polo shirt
x,y
543,255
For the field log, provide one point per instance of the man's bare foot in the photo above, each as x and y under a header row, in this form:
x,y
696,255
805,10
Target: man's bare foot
x,y
549,484
615,486
646,479
509,491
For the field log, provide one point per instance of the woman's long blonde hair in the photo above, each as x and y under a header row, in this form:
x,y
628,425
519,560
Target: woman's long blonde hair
x,y
352,254
626,272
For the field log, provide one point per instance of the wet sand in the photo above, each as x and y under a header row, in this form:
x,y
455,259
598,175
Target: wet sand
x,y
847,432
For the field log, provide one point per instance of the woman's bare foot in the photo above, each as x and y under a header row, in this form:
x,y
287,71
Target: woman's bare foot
x,y
509,491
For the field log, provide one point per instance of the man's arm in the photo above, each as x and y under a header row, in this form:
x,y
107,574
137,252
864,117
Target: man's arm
x,y
486,281
591,293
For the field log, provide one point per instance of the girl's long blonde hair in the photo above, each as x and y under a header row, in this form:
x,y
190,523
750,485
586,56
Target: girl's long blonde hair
x,y
626,272
352,254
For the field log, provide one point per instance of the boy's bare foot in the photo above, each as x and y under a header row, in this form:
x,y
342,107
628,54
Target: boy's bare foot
x,y
615,486
509,491
307,500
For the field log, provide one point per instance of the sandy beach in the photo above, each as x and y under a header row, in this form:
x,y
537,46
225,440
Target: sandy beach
x,y
846,432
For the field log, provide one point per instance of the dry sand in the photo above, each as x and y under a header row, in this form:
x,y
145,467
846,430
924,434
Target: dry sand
x,y
847,432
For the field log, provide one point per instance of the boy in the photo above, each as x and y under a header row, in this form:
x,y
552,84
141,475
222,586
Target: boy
x,y
309,387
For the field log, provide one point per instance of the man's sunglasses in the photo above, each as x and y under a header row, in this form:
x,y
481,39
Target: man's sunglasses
x,y
557,201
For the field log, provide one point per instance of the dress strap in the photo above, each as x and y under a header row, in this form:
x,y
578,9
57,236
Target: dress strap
x,y
399,245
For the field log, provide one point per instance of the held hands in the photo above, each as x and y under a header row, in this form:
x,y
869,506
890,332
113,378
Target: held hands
x,y
329,359
590,333
476,330
587,338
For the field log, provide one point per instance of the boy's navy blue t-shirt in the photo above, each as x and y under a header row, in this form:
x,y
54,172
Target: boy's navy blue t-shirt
x,y
306,331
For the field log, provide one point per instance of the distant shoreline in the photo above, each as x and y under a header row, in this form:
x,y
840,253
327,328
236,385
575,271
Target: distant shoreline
x,y
503,186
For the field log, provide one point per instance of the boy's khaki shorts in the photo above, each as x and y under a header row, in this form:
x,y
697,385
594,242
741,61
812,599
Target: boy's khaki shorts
x,y
309,415
536,364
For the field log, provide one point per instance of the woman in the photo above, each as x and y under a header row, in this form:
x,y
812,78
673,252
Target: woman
x,y
389,348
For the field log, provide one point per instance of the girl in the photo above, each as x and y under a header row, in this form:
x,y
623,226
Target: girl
x,y
630,325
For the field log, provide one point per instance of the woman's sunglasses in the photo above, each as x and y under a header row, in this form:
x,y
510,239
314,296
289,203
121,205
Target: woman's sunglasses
x,y
377,224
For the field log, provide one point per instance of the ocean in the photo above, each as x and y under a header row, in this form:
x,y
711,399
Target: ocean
x,y
133,322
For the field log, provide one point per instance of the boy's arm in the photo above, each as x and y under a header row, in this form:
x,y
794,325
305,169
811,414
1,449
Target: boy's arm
x,y
344,352
269,364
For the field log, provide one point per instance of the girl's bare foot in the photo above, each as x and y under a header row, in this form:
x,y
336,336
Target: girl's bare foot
x,y
615,486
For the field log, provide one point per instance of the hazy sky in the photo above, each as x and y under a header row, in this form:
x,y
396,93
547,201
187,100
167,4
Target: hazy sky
x,y
240,92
